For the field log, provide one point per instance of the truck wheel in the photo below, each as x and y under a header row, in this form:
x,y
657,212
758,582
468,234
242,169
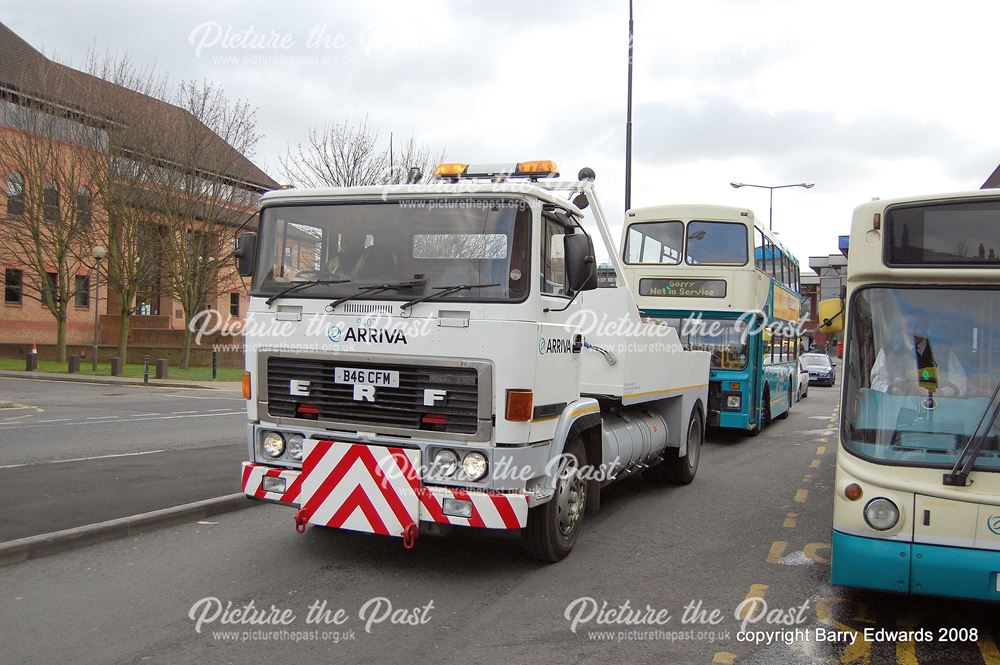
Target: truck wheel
x,y
681,470
554,526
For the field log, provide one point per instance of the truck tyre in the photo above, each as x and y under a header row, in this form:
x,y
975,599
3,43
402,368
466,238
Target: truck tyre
x,y
680,470
554,526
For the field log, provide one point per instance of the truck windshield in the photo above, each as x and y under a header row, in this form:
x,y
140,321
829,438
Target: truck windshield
x,y
426,244
726,339
921,366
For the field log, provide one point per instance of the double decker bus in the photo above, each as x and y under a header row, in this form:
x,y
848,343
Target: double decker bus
x,y
917,491
729,287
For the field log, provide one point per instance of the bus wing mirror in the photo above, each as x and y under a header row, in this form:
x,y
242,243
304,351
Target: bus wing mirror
x,y
831,315
245,251
581,264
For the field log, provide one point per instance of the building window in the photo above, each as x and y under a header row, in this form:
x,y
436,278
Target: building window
x,y
234,304
12,286
15,194
50,201
49,288
82,293
83,207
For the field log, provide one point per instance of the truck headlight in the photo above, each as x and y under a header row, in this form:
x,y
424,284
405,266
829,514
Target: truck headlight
x,y
474,466
295,442
446,463
733,401
881,514
273,444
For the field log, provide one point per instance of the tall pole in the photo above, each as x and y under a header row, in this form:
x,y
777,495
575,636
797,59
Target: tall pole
x,y
97,304
770,210
628,118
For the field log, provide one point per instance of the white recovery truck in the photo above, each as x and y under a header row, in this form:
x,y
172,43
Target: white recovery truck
x,y
415,359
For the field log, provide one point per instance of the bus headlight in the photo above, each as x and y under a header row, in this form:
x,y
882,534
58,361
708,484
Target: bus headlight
x,y
474,466
881,514
273,444
733,401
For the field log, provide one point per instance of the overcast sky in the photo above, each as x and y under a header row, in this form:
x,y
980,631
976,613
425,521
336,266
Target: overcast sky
x,y
863,98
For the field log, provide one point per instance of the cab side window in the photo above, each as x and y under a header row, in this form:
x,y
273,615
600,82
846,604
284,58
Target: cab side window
x,y
553,259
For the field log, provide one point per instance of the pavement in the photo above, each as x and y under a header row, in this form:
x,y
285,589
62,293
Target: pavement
x,y
121,380
238,587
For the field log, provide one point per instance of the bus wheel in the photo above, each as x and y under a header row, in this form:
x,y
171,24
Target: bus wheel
x,y
765,407
554,526
681,470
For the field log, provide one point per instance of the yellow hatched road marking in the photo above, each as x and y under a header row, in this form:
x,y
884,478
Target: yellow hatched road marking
x,y
814,464
906,650
801,495
858,652
756,591
988,649
821,450
811,550
777,550
790,520
724,658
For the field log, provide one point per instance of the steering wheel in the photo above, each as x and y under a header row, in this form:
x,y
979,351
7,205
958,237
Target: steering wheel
x,y
319,274
900,386
948,385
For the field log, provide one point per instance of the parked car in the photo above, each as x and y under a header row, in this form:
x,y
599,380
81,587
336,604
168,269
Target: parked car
x,y
821,370
803,381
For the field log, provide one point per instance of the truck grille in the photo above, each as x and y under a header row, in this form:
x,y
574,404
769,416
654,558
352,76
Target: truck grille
x,y
401,407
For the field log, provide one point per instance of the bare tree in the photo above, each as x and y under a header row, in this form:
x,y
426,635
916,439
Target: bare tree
x,y
346,155
124,193
204,206
48,146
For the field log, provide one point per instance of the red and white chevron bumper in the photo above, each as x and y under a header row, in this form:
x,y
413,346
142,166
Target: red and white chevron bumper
x,y
377,489
253,483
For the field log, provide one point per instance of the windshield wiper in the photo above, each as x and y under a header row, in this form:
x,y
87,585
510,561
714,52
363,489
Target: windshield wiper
x,y
371,290
959,474
446,291
298,286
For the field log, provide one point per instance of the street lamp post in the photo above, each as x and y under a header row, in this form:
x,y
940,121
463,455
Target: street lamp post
x,y
628,116
771,188
98,252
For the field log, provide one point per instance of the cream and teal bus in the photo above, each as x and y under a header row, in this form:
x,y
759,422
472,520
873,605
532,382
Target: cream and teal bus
x,y
917,493
729,287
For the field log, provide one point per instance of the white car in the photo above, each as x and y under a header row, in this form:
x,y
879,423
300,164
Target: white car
x,y
803,382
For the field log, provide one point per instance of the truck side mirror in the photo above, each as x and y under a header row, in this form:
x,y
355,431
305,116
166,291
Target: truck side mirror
x,y
581,265
246,250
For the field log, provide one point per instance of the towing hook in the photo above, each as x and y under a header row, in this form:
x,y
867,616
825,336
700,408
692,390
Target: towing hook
x,y
410,535
301,520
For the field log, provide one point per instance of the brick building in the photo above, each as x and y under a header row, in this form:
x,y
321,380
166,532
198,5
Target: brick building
x,y
31,83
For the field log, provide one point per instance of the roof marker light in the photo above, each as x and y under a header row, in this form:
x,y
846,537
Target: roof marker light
x,y
450,169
